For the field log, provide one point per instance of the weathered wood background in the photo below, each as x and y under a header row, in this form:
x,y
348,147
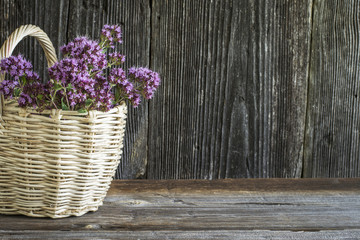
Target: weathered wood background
x,y
249,88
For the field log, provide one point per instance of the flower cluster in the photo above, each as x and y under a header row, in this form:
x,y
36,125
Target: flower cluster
x,y
34,94
80,81
86,50
26,86
110,35
7,88
149,81
17,66
116,58
124,88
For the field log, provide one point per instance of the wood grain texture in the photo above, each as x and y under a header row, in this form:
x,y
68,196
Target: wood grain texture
x,y
176,234
333,119
203,209
233,98
53,23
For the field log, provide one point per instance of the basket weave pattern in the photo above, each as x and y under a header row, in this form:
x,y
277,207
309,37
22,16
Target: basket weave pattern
x,y
56,163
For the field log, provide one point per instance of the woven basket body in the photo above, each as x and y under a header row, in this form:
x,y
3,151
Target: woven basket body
x,y
57,163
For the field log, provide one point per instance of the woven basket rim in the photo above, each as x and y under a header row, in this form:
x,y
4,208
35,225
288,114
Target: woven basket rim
x,y
13,104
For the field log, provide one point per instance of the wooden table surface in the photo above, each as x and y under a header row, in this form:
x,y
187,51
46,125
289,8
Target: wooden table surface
x,y
202,209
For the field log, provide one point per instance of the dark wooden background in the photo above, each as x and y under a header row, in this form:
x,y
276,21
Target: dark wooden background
x,y
249,88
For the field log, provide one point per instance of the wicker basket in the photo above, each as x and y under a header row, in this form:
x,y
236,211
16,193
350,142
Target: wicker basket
x,y
55,163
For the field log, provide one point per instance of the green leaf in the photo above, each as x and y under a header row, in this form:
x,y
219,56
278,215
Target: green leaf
x,y
117,93
40,96
63,105
17,92
57,87
88,102
82,111
69,86
23,80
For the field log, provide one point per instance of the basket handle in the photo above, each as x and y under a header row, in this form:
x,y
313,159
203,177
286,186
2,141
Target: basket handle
x,y
13,40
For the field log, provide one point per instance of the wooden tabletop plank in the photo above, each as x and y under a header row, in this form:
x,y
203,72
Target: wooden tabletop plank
x,y
237,185
218,235
200,208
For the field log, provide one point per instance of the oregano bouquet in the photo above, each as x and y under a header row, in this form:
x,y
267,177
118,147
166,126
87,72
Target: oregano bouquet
x,y
89,77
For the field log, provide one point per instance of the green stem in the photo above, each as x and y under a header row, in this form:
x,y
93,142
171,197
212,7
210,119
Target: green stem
x,y
52,101
94,73
66,98
87,109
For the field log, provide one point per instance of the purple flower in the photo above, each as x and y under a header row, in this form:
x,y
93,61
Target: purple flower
x,y
16,66
117,76
149,81
135,100
34,95
24,80
7,88
116,58
111,34
73,78
88,51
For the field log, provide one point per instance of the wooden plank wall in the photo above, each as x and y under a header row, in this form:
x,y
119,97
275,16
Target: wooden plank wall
x,y
249,88
333,117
